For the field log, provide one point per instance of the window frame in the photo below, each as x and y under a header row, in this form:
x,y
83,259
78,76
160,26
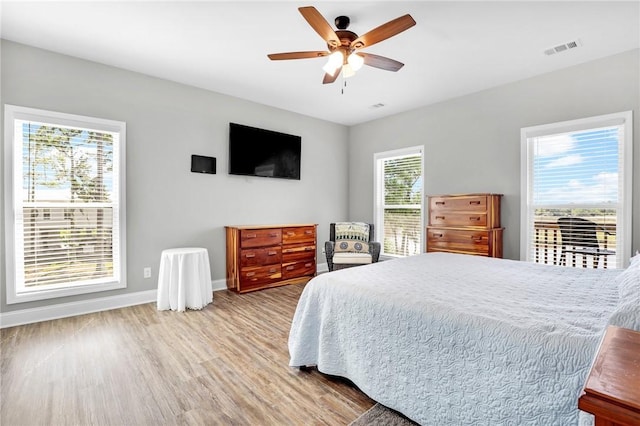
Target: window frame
x,y
624,119
378,199
13,178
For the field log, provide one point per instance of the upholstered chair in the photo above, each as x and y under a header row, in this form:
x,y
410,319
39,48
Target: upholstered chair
x,y
351,244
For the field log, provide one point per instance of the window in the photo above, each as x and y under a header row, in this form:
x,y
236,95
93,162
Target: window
x,y
399,201
64,204
576,192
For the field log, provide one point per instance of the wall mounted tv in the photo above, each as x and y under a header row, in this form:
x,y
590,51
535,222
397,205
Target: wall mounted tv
x,y
265,153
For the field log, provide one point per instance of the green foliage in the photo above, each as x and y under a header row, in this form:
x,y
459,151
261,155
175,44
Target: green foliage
x,y
55,161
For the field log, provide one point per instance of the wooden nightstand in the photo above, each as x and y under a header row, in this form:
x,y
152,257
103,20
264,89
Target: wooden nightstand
x,y
612,390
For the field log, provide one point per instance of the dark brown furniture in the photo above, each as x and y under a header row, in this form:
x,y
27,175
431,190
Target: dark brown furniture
x,y
263,256
467,224
612,390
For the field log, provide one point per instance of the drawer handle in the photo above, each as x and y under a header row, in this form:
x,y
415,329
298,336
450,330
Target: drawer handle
x,y
272,270
308,248
250,274
250,236
476,238
439,203
250,255
475,203
290,268
440,217
437,235
308,232
291,233
476,218
307,265
272,253
273,235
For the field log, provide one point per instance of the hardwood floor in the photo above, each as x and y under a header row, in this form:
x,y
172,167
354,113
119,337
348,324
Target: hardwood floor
x,y
224,365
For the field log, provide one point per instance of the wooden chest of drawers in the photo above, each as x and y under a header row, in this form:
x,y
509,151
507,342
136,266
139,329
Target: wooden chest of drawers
x,y
268,256
468,224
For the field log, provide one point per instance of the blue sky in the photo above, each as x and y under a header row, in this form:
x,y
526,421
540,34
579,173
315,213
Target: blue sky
x,y
576,168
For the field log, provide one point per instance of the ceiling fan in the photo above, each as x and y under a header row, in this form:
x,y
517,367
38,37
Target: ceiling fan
x,y
345,46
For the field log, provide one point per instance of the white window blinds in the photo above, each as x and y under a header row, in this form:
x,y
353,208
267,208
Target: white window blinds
x,y
577,210
66,206
399,206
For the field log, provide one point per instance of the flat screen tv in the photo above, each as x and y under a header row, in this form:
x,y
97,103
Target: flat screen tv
x,y
264,153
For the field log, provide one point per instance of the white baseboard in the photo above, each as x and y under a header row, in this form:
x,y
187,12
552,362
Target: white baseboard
x,y
70,309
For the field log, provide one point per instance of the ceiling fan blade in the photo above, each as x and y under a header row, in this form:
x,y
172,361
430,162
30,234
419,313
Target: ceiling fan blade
x,y
381,62
320,25
328,78
297,55
383,32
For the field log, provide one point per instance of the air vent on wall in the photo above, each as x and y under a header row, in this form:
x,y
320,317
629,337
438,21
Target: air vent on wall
x,y
563,47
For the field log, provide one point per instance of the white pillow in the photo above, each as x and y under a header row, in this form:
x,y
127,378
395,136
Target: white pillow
x,y
627,313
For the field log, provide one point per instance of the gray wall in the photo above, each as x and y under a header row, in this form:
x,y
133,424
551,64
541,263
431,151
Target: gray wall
x,y
167,205
472,143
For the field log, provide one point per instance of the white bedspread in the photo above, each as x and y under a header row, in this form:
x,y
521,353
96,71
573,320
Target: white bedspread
x,y
458,340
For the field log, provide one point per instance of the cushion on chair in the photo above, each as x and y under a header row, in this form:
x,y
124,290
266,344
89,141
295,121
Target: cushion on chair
x,y
351,246
352,258
354,231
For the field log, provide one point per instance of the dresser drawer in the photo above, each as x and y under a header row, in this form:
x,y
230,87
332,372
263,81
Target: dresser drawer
x,y
299,234
446,218
260,256
293,253
260,237
467,241
256,276
297,269
460,203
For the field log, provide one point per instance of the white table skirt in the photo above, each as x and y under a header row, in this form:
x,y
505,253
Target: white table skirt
x,y
184,279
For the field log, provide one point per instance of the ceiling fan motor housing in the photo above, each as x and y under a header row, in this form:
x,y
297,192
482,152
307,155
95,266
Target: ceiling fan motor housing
x,y
342,22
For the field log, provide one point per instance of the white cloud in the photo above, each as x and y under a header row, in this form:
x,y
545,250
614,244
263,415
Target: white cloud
x,y
568,160
548,146
600,188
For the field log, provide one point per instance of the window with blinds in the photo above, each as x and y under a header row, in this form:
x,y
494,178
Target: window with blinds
x,y
65,203
576,202
399,201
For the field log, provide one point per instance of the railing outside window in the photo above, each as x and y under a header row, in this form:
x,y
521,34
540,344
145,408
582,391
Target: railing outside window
x,y
548,246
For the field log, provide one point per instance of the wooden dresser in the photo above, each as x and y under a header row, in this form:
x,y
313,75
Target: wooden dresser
x,y
468,224
263,256
612,389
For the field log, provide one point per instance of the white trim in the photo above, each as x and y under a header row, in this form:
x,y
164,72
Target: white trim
x,y
13,176
82,307
218,285
70,309
624,119
322,267
377,182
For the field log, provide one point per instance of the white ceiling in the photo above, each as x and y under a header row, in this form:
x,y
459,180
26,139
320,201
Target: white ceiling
x,y
456,48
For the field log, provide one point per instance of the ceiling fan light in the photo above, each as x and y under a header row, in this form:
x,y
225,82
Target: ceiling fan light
x,y
347,71
356,61
334,62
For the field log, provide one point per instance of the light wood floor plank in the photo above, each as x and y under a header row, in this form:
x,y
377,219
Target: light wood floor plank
x,y
224,365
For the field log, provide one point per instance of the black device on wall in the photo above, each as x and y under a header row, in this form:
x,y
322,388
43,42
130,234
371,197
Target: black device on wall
x,y
202,164
265,153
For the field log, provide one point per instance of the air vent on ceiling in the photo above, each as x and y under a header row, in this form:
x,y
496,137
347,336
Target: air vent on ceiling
x,y
563,47
379,105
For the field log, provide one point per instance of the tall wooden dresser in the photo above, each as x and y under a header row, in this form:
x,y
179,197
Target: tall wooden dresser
x,y
468,224
263,256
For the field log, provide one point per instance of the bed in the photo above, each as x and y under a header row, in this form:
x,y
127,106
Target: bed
x,y
452,339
